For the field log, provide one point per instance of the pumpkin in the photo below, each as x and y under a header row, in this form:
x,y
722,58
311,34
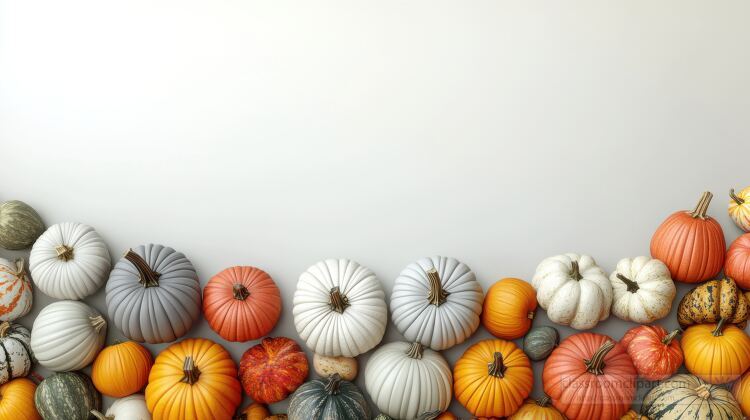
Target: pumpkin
x,y
326,366
328,399
67,396
509,308
153,294
633,415
737,264
447,415
540,409
687,397
690,243
122,369
643,290
16,294
717,353
67,335
254,411
656,353
20,225
69,261
273,369
393,370
241,303
573,290
132,407
194,379
17,400
492,378
713,301
277,417
15,357
739,208
436,301
590,376
339,308
741,392
540,341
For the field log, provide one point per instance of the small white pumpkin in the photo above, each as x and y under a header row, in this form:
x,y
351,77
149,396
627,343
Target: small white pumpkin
x,y
339,308
16,294
573,290
132,407
67,335
643,290
69,261
406,380
345,367
437,302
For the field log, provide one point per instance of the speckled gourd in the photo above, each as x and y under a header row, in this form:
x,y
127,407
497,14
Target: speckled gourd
x,y
20,225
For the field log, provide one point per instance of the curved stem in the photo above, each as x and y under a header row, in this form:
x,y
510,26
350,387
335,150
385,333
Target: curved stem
x,y
437,295
595,365
631,285
100,416
545,401
575,271
667,340
20,269
98,322
332,386
190,371
703,391
415,350
737,199
240,292
148,277
64,252
702,206
4,329
339,301
719,330
496,368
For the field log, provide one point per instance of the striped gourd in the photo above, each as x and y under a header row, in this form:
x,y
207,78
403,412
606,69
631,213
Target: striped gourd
x,y
20,225
329,399
67,396
688,397
15,352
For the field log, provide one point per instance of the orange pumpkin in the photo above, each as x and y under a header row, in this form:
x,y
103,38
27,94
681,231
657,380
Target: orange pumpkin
x,y
194,379
273,369
241,303
737,265
17,400
656,353
254,411
509,308
690,243
717,353
121,369
447,415
540,409
633,415
590,376
492,378
741,392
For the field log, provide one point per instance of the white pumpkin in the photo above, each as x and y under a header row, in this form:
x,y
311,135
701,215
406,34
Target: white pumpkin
x,y
573,290
67,335
132,407
69,261
407,380
16,357
339,308
643,290
16,294
437,302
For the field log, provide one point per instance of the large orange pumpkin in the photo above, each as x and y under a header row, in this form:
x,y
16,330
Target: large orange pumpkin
x,y
741,392
121,369
690,243
273,369
737,264
17,400
509,308
656,353
241,303
590,376
717,353
194,379
492,378
540,409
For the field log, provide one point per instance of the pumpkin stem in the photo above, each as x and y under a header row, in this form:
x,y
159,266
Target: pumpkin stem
x,y
596,364
240,292
530,315
339,302
545,401
98,322
667,340
4,328
740,201
64,252
415,350
190,371
496,368
148,277
20,269
702,207
332,386
575,270
703,391
437,295
632,286
719,330
100,416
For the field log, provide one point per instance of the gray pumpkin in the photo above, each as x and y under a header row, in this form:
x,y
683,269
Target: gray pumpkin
x,y
20,225
153,294
16,356
540,341
328,399
67,396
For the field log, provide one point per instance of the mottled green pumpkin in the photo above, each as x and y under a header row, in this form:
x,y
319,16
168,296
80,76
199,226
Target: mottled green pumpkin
x,y
20,225
328,399
67,396
540,341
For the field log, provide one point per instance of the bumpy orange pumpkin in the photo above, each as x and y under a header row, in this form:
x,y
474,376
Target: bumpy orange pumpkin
x,y
194,379
121,369
737,265
656,353
254,411
17,400
273,369
509,308
741,392
716,353
540,409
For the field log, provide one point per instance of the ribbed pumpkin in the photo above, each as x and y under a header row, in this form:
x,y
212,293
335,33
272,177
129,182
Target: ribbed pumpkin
x,y
687,397
16,295
20,225
737,264
328,399
273,369
741,392
656,353
254,411
643,290
594,365
194,379
122,369
17,400
492,378
509,308
241,303
690,243
132,407
539,342
717,353
16,357
739,208
67,396
540,409
713,301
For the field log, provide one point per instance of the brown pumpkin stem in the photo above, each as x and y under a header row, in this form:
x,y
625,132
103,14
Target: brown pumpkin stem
x,y
148,277
332,386
530,315
20,269
702,207
575,271
100,416
98,322
737,199
496,368
596,364
4,329
240,292
703,391
64,252
437,295
339,301
190,371
632,286
719,330
545,401
667,340
415,350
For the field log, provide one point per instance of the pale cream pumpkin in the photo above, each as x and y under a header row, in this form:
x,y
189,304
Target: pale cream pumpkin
x,y
643,290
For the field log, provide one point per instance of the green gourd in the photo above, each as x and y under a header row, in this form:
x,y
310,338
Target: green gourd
x,y
67,396
328,399
540,341
20,225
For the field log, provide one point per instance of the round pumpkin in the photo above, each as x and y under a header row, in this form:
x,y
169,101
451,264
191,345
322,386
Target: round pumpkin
x,y
328,399
656,353
741,392
686,396
241,303
69,261
339,308
326,366
67,335
16,295
20,225
713,301
540,341
717,353
643,290
739,208
392,371
573,290
254,411
122,369
633,415
67,396
509,308
540,409
273,369
17,400
690,243
132,407
153,294
737,264
15,357
594,365
194,379
436,301
492,378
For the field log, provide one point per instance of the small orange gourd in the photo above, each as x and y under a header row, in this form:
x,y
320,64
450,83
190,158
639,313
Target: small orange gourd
x,y
254,411
17,400
717,353
121,369
509,308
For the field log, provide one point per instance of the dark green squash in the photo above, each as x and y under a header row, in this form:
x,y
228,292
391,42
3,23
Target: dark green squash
x,y
328,399
20,225
67,396
540,341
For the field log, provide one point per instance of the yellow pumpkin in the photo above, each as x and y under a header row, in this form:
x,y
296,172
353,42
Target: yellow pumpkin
x,y
739,208
254,411
121,369
540,409
717,353
741,392
508,308
17,400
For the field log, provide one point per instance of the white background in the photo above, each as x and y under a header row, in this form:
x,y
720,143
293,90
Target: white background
x,y
279,133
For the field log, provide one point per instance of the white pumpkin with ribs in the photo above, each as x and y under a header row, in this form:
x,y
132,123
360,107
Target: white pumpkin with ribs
x,y
643,290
